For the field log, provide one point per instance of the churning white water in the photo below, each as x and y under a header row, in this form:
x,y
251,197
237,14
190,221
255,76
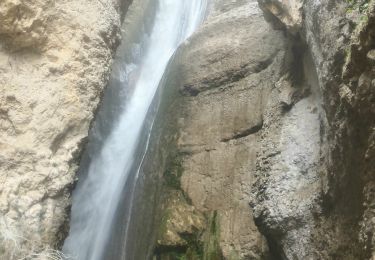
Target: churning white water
x,y
97,196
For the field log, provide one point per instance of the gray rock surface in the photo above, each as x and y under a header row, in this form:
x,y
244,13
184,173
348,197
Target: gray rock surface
x,y
324,209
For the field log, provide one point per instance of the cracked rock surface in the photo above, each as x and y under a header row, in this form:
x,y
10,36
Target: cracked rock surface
x,y
225,71
282,118
314,189
55,59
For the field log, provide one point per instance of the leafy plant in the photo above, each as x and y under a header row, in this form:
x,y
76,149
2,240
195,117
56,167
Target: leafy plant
x,y
360,5
173,172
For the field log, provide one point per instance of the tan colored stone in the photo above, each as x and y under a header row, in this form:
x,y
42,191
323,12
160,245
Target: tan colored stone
x,y
55,59
179,219
222,68
288,12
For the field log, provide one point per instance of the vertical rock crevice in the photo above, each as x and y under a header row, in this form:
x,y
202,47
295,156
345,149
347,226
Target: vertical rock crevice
x,y
337,213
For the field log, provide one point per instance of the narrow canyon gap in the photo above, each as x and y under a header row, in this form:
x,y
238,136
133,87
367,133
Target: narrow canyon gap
x,y
251,138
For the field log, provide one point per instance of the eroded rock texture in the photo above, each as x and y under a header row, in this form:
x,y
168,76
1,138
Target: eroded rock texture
x,y
225,72
315,179
55,58
222,84
282,118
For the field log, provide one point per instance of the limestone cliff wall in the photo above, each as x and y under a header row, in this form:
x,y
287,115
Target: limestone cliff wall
x,y
322,208
282,119
55,59
263,147
222,77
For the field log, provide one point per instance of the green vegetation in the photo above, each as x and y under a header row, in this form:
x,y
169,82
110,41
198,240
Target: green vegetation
x,y
364,19
164,221
360,5
234,256
212,241
195,247
198,246
173,172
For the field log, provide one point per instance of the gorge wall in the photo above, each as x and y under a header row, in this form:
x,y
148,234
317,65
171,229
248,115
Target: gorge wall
x,y
323,209
278,115
220,76
55,59
263,146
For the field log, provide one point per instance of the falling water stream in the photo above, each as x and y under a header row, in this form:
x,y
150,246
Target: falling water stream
x,y
116,139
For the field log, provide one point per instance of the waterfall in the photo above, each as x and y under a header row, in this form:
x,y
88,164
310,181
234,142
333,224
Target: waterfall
x,y
138,70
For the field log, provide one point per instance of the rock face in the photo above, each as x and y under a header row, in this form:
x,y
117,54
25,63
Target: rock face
x,y
55,58
225,72
264,143
222,84
282,118
286,13
315,179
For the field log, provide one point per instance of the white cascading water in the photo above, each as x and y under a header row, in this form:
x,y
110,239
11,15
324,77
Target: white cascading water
x,y
96,198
